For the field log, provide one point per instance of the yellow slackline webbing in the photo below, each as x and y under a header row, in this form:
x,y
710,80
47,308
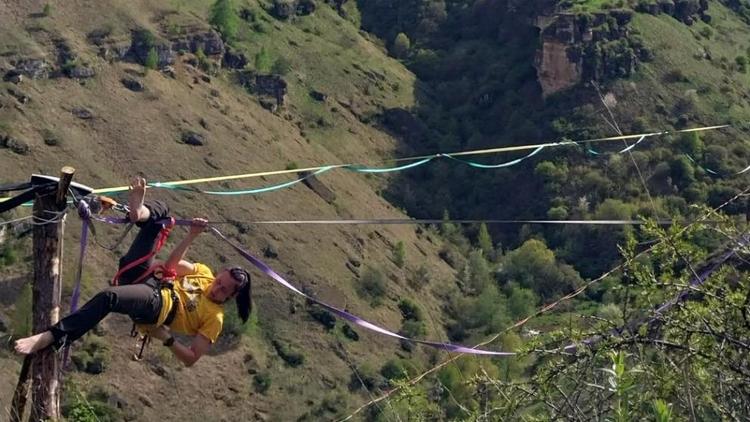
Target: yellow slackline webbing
x,y
459,153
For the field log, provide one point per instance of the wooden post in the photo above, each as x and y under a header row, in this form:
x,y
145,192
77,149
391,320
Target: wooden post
x,y
19,396
48,247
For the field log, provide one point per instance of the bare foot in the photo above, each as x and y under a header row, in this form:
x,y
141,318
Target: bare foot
x,y
135,201
28,345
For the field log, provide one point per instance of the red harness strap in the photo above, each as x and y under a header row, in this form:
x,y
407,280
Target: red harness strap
x,y
163,234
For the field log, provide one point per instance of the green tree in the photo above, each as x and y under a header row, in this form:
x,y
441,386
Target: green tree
x,y
401,46
263,61
225,19
152,59
399,254
534,266
485,241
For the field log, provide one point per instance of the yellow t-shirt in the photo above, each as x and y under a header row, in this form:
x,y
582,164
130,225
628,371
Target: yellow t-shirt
x,y
196,313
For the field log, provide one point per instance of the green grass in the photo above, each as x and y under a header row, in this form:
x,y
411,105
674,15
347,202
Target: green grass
x,y
717,85
323,50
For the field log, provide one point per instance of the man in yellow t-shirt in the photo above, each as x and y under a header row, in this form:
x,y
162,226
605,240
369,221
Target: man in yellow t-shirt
x,y
193,305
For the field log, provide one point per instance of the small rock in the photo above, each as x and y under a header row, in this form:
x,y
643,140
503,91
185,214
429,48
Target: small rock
x,y
206,79
270,251
234,60
159,370
33,68
269,105
82,113
16,145
146,401
215,93
81,72
95,367
169,71
51,141
19,96
13,76
193,138
203,123
133,84
318,96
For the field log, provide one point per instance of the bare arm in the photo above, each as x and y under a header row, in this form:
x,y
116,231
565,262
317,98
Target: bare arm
x,y
190,355
187,355
175,260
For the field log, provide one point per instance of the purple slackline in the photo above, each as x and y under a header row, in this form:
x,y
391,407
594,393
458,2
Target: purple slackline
x,y
350,317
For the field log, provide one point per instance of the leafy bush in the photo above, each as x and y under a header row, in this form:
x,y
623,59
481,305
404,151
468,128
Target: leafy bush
x,y
372,284
349,332
262,382
410,310
152,59
401,46
322,316
419,278
225,19
365,376
291,357
399,254
394,370
412,329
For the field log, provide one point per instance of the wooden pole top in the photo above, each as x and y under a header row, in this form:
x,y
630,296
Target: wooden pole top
x,y
66,176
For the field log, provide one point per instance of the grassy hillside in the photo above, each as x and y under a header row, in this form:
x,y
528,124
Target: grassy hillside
x,y
139,132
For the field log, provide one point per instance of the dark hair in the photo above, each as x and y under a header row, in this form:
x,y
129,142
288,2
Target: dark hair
x,y
243,297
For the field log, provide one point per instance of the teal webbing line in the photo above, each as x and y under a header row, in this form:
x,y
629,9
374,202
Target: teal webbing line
x,y
387,170
495,166
247,191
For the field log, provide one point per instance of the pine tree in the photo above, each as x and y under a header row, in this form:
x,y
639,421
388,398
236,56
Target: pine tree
x,y
152,59
401,45
485,242
225,19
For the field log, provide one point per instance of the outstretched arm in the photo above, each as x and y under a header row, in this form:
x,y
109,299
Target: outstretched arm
x,y
175,260
187,355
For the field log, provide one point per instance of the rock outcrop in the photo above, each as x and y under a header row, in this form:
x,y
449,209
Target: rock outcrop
x,y
578,47
273,86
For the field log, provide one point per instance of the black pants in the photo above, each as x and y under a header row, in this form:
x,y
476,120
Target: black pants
x,y
142,301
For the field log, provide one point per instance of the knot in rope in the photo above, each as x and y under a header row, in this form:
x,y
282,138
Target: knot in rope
x,y
84,210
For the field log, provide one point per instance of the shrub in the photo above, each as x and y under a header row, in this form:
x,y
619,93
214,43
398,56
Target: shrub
x,y
349,332
152,59
420,278
394,370
225,19
412,329
322,316
401,46
291,357
281,66
365,376
410,310
372,284
262,382
399,254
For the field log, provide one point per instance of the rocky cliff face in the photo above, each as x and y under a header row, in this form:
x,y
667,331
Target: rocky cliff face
x,y
556,69
599,46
